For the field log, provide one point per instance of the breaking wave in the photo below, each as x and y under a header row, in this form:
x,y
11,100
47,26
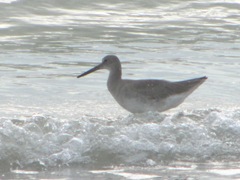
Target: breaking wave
x,y
40,142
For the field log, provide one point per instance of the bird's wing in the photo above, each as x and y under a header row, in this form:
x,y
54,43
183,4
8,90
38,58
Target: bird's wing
x,y
161,89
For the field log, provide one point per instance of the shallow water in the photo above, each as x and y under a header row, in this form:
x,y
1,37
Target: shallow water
x,y
50,119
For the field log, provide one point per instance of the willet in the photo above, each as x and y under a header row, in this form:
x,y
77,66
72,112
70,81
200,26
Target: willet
x,y
138,96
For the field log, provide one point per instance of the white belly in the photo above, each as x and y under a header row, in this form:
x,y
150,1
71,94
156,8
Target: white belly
x,y
137,105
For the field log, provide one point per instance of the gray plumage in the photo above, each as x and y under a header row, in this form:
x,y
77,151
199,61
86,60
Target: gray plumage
x,y
138,96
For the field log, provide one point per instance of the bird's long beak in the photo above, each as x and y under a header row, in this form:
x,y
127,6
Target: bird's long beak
x,y
91,70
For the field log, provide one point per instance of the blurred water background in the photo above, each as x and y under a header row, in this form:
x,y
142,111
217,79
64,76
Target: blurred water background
x,y
53,125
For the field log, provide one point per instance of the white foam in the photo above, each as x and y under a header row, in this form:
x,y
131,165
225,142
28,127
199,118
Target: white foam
x,y
24,172
226,172
128,175
145,140
7,1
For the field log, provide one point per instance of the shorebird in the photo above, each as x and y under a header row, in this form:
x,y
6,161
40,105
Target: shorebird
x,y
139,96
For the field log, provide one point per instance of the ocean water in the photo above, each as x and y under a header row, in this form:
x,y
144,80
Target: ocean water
x,y
55,126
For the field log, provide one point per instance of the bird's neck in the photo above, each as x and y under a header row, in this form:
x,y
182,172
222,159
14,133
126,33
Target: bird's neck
x,y
114,77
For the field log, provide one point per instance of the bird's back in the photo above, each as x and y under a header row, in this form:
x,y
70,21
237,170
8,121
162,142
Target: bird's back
x,y
147,95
